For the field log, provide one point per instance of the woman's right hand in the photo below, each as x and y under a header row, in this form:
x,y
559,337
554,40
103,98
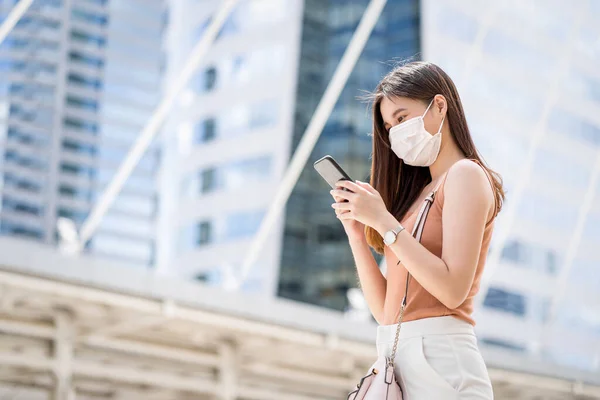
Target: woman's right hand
x,y
354,229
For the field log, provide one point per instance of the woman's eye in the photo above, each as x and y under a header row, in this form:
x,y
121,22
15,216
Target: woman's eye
x,y
400,119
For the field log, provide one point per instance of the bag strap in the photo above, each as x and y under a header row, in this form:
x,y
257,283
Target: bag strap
x,y
417,233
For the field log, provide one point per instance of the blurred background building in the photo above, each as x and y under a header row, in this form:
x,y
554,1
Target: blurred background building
x,y
80,78
229,141
316,266
528,76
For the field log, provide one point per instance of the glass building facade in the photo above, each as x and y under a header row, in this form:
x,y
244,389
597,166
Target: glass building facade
x,y
528,68
230,139
316,264
79,80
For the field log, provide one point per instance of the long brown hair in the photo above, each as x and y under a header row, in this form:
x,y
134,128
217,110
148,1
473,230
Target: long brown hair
x,y
401,184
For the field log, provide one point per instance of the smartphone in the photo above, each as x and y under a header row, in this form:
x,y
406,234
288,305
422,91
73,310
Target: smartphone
x,y
331,171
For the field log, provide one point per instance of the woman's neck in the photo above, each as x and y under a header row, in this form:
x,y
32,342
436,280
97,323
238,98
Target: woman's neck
x,y
448,156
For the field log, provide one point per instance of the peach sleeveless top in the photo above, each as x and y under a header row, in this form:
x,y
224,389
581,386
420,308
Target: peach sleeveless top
x,y
420,303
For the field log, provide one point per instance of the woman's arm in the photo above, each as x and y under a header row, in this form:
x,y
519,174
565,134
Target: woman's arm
x,y
372,281
468,204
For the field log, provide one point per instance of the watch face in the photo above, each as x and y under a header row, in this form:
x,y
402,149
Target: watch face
x,y
389,237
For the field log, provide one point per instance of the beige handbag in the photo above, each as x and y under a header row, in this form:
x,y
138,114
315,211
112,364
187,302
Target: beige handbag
x,y
381,382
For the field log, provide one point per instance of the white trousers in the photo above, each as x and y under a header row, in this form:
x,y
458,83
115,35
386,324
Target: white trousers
x,y
437,358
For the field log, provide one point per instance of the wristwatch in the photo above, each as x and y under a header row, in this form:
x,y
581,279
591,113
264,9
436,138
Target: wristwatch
x,y
390,236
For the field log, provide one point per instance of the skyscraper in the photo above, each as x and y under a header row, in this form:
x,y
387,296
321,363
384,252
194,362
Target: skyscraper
x,y
528,70
241,120
316,264
227,142
79,80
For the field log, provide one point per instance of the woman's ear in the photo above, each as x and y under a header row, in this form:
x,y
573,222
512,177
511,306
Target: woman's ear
x,y
440,104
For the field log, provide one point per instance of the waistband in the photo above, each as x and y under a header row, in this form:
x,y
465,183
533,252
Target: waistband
x,y
427,326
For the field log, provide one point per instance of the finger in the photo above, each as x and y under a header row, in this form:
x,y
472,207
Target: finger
x,y
337,199
341,206
346,216
342,194
340,212
366,186
351,186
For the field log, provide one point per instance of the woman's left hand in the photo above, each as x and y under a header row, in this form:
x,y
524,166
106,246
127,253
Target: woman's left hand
x,y
364,204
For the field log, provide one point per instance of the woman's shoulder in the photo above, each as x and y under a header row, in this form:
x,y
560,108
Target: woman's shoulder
x,y
467,177
467,171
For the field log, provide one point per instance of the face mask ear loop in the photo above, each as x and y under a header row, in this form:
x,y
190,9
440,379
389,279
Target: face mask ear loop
x,y
427,109
443,118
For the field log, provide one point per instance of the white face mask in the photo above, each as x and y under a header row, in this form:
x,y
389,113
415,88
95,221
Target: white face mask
x,y
413,144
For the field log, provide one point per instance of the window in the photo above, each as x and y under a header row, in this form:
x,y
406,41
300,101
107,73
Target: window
x,y
89,17
91,61
22,182
81,125
15,229
506,301
48,3
208,181
78,170
206,130
82,103
13,156
22,206
204,233
31,90
210,79
82,80
37,115
75,192
88,38
77,147
245,224
516,252
528,255
551,262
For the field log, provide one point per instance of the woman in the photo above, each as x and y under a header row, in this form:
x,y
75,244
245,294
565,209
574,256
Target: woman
x,y
421,144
